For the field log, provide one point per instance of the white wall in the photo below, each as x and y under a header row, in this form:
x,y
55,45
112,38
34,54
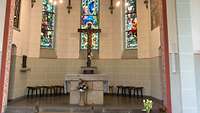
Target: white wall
x,y
111,45
143,30
195,25
134,72
118,72
157,85
21,36
197,72
175,80
188,83
183,37
196,42
67,36
18,86
52,72
157,76
21,40
155,45
35,29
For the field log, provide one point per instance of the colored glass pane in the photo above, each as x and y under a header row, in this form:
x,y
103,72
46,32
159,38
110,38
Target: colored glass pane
x,y
89,19
130,24
95,41
90,7
89,14
48,25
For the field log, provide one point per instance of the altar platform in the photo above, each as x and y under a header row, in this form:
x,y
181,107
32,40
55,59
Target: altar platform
x,y
94,92
60,104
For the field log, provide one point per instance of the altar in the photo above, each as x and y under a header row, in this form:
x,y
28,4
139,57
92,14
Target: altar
x,y
95,92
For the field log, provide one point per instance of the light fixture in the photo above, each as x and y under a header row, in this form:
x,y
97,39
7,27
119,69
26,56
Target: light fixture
x,y
69,7
118,3
32,3
55,2
146,2
111,7
126,4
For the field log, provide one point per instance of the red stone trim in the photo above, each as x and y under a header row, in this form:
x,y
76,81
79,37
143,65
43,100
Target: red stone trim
x,y
164,43
4,50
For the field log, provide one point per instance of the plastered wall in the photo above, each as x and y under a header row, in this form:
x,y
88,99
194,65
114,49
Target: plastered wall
x,y
67,36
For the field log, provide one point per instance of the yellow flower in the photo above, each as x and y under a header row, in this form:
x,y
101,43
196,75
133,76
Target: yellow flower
x,y
148,104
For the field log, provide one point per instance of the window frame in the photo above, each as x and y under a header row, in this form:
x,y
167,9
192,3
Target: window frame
x,y
98,19
54,28
124,26
17,28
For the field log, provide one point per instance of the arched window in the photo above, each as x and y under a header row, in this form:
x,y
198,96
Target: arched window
x,y
48,25
130,24
17,13
89,14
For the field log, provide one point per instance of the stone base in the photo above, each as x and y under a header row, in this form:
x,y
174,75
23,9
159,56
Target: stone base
x,y
88,70
93,96
89,98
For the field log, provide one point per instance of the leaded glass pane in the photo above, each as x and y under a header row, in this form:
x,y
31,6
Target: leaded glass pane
x,y
90,7
48,25
90,14
89,19
95,41
130,24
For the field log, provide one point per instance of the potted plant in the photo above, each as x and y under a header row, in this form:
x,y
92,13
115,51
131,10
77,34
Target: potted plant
x,y
148,104
82,87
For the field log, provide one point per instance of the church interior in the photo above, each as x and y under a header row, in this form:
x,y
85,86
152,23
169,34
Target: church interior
x,y
124,37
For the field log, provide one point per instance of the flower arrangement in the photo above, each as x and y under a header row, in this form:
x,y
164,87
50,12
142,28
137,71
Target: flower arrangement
x,y
148,104
82,85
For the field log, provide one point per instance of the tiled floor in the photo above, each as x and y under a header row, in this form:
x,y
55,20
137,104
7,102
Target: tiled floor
x,y
60,104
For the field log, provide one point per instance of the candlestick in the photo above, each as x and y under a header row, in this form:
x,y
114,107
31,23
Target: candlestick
x,y
111,7
69,7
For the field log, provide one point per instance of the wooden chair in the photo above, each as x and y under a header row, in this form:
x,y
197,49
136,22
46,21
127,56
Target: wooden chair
x,y
58,90
31,91
119,88
111,89
138,91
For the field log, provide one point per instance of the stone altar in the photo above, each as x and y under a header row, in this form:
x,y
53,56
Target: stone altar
x,y
95,92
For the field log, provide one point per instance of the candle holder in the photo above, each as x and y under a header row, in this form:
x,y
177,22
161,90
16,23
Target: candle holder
x,y
69,7
111,8
146,2
32,3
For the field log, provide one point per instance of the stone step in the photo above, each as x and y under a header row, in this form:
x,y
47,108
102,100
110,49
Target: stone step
x,y
73,110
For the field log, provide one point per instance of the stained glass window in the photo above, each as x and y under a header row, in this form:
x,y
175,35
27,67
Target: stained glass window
x,y
48,25
17,13
90,14
130,24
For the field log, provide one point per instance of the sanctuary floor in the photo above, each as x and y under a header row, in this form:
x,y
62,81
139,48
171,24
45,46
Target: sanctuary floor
x,y
60,104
